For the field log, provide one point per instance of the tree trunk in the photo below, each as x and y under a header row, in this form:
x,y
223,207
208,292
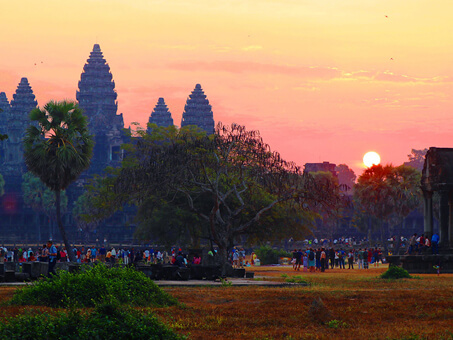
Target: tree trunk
x,y
71,254
223,259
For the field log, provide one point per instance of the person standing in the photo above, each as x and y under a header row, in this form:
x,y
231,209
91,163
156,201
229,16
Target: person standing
x,y
350,260
52,258
323,258
435,243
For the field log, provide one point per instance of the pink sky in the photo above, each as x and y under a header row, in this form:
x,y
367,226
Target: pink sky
x,y
322,80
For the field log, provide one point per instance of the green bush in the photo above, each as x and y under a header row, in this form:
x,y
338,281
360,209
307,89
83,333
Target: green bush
x,y
106,321
395,272
94,285
268,255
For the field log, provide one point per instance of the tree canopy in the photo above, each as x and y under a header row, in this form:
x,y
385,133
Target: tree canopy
x,y
388,193
230,180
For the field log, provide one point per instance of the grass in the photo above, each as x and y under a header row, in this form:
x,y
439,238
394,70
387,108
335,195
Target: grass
x,y
362,304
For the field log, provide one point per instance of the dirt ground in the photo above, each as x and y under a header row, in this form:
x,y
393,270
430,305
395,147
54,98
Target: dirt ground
x,y
358,305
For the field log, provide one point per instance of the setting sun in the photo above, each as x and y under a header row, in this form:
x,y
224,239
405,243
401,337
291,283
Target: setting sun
x,y
371,158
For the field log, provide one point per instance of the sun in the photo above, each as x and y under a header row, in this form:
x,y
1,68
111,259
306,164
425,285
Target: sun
x,y
371,158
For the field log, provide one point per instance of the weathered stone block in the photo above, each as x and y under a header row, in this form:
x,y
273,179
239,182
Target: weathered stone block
x,y
39,269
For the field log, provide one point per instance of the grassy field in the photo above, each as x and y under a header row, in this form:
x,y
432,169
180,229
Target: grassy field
x,y
362,306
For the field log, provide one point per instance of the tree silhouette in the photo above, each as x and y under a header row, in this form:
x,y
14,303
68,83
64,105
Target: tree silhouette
x,y
58,150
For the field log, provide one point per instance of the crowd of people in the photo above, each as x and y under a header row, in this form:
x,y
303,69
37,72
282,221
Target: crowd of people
x,y
51,253
421,244
321,259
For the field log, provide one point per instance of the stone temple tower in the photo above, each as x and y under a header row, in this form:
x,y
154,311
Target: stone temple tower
x,y
18,120
4,113
97,98
161,116
198,111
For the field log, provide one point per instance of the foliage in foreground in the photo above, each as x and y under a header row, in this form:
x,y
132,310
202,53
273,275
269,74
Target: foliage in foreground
x,y
94,285
395,272
268,255
106,321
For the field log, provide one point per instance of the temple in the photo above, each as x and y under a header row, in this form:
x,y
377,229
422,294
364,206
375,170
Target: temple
x,y
4,112
97,97
17,122
198,111
161,116
437,176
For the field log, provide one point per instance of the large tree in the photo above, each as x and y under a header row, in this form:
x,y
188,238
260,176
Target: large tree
x,y
58,148
387,193
230,180
41,199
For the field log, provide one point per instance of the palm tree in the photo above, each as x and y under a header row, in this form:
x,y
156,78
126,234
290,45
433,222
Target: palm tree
x,y
58,148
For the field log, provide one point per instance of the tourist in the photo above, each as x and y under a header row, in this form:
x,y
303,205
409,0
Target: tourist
x,y
341,256
102,254
179,260
360,258
52,258
311,259
235,258
44,254
412,244
294,259
241,258
435,243
305,261
113,253
93,254
318,259
196,259
350,259
63,255
323,258
332,257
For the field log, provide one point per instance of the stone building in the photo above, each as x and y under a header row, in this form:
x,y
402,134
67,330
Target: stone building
x,y
4,112
97,97
18,120
198,111
161,116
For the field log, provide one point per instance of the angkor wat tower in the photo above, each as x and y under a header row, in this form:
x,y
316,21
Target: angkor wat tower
x,y
198,111
4,112
17,123
160,115
97,98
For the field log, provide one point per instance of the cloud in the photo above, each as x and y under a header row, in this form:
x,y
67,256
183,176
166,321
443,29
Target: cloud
x,y
252,48
313,72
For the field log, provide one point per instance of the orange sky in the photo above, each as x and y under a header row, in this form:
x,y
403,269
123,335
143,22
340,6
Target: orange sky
x,y
316,77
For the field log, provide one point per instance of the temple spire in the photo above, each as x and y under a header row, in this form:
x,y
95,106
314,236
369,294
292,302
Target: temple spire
x,y
198,111
161,116
97,98
18,121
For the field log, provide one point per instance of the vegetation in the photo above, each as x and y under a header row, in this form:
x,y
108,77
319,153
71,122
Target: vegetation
x,y
365,306
386,194
229,182
94,285
106,321
269,255
395,272
41,199
58,150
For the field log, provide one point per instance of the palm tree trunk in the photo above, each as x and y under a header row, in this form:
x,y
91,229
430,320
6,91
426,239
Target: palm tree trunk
x,y
62,230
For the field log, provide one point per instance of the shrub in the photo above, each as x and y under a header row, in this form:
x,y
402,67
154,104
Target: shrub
x,y
106,321
94,285
395,272
268,255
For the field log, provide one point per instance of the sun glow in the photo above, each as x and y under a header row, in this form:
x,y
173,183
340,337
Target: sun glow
x,y
371,158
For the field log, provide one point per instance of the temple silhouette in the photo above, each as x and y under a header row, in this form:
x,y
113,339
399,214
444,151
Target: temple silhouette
x,y
97,96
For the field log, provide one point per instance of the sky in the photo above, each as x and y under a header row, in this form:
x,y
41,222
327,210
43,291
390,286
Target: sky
x,y
322,80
